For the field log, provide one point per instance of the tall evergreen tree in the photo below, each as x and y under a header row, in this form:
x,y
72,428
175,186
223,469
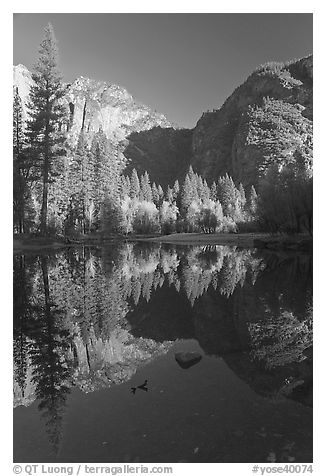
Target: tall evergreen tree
x,y
205,194
176,190
46,114
160,193
106,167
18,133
155,194
242,196
145,188
228,195
213,192
169,194
177,194
189,190
20,168
134,184
79,181
124,186
252,202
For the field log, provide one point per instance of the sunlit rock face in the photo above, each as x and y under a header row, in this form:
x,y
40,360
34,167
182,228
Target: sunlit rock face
x,y
265,121
96,105
268,117
145,137
23,81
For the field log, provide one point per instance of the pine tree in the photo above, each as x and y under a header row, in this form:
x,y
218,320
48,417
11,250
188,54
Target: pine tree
x,y
189,190
242,196
46,114
155,194
191,174
186,195
200,186
213,192
18,133
161,194
80,178
134,185
124,186
19,160
169,194
252,202
177,194
228,195
176,190
106,169
145,188
205,192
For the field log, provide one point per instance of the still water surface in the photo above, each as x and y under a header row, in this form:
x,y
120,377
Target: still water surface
x,y
154,353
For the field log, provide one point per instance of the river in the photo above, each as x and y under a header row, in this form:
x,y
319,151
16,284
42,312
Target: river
x,y
162,353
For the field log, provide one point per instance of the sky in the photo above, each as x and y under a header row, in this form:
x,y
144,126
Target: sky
x,y
178,64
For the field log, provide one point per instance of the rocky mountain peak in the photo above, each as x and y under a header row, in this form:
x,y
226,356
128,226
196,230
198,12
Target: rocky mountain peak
x,y
268,118
265,120
93,105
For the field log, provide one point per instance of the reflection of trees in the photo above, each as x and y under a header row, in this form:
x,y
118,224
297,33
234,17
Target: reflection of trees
x,y
70,306
286,284
90,292
223,268
23,276
47,351
97,289
281,340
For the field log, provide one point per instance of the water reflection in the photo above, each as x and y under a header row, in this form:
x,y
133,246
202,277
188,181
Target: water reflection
x,y
89,318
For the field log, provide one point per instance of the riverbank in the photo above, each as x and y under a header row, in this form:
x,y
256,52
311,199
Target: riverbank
x,y
243,240
23,243
33,244
240,239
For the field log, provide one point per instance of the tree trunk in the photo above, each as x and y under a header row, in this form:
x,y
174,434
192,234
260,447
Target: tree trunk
x,y
44,209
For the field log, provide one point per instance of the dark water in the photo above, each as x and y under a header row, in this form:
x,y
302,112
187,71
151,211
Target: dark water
x,y
98,375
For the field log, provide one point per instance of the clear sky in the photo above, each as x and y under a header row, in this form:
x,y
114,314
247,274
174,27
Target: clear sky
x,y
178,64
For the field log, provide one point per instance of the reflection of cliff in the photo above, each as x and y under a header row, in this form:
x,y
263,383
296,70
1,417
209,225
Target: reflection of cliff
x,y
90,319
85,297
244,308
102,363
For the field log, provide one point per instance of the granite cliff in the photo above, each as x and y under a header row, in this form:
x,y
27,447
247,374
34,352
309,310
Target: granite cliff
x,y
96,105
268,119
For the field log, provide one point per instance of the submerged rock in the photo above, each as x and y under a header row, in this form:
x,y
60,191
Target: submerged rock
x,y
187,359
